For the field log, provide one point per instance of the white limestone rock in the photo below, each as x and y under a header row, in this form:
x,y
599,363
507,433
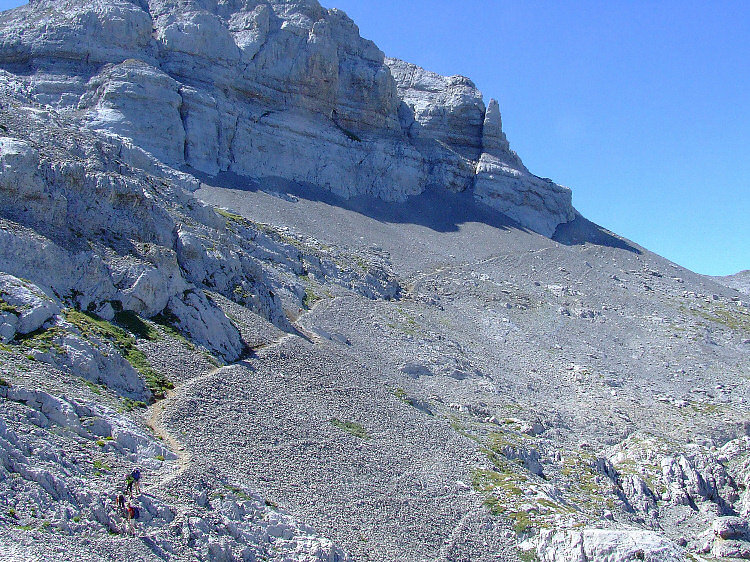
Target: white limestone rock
x,y
467,148
698,478
206,324
101,363
203,126
32,305
535,203
96,31
612,545
449,110
281,144
66,273
277,88
493,138
640,497
731,528
196,33
8,325
136,100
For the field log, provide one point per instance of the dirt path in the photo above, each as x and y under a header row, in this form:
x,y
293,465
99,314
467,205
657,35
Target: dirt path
x,y
155,419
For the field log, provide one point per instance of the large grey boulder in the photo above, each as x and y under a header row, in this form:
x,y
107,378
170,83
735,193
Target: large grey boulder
x,y
206,324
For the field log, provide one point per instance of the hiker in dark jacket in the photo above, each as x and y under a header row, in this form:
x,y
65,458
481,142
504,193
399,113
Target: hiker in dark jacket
x,y
121,504
136,474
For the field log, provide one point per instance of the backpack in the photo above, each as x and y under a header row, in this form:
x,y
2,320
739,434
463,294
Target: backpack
x,y
136,513
136,475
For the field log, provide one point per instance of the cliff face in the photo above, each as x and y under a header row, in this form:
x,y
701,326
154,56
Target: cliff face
x,y
271,88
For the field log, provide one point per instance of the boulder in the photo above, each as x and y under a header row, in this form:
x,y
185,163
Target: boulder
x,y
206,324
730,528
612,545
31,306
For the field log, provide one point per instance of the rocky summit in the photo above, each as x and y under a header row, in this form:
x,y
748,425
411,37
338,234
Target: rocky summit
x,y
296,300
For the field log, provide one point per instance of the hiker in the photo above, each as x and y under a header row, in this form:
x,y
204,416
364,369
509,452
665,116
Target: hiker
x,y
129,480
131,513
136,474
121,504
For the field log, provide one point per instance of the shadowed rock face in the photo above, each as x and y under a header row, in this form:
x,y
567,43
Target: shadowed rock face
x,y
272,88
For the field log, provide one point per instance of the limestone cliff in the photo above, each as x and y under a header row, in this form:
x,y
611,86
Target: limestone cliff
x,y
280,88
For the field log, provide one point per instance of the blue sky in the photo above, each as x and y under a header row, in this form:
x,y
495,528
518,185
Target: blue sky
x,y
641,107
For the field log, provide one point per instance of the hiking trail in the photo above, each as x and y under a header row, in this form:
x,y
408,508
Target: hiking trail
x,y
155,418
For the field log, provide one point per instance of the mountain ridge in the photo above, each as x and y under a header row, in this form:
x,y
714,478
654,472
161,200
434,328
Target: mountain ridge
x,y
219,82
315,359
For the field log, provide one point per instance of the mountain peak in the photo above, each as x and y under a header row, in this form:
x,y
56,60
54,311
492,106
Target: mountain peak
x,y
272,88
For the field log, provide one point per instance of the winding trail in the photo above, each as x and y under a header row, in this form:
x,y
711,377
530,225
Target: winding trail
x,y
155,419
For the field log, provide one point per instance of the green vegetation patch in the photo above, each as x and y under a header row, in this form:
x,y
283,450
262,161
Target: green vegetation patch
x,y
92,387
736,319
705,408
42,339
504,491
92,325
401,394
128,404
351,427
528,555
5,307
239,492
310,298
134,324
497,442
229,215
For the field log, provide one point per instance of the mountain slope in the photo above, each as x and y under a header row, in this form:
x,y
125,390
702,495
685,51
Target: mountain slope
x,y
739,281
316,298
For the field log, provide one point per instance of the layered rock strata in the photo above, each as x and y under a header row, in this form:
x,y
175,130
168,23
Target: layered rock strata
x,y
271,88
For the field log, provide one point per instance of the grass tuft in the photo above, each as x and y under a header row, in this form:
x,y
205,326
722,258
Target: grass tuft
x,y
351,427
5,307
128,404
42,339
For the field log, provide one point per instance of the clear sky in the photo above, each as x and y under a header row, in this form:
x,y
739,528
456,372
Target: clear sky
x,y
641,107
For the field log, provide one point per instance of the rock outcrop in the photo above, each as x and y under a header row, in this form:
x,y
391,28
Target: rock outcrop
x,y
613,545
271,88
